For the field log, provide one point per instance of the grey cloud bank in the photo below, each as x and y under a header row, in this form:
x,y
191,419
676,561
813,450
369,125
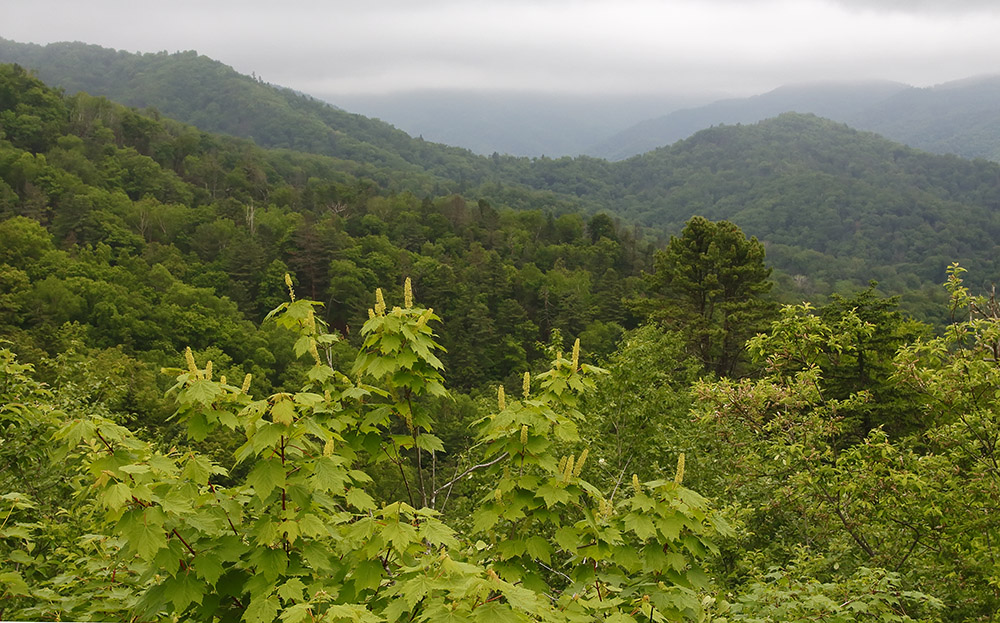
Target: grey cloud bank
x,y
627,46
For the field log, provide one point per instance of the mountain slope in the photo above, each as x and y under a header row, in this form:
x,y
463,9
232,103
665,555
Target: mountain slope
x,y
831,203
836,101
214,97
960,117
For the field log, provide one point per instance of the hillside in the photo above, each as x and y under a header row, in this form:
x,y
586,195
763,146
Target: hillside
x,y
838,101
212,96
831,203
959,117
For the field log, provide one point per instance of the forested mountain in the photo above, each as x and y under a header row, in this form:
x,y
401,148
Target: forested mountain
x,y
838,101
957,117
830,203
212,96
227,394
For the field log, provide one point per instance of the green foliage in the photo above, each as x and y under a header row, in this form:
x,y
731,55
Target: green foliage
x,y
298,537
915,502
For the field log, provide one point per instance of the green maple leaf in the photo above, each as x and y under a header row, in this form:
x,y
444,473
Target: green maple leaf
x,y
265,476
360,500
184,589
262,610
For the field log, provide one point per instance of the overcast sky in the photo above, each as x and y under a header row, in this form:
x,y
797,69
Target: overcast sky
x,y
737,47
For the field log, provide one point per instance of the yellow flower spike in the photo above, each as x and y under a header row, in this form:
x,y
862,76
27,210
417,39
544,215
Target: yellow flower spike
x,y
222,379
526,385
371,313
409,421
407,294
291,291
579,464
189,358
635,484
315,353
497,495
562,464
603,508
679,476
379,302
524,434
576,354
424,317
501,399
208,370
246,384
328,448
569,469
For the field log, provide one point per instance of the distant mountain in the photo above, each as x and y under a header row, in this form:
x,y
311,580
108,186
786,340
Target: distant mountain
x,y
837,101
960,117
516,123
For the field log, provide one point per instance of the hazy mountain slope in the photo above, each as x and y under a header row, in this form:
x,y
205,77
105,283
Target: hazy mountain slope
x,y
521,124
961,117
206,93
838,101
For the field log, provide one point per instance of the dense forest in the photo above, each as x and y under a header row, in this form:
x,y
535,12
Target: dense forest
x,y
836,208
240,383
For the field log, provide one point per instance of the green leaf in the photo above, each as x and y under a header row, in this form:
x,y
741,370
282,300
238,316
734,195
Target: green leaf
x,y
144,531
360,500
430,443
400,534
283,412
292,590
367,575
539,548
208,566
184,590
13,583
484,519
265,476
329,475
200,391
262,610
437,533
567,538
117,496
269,562
520,598
641,525
554,495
